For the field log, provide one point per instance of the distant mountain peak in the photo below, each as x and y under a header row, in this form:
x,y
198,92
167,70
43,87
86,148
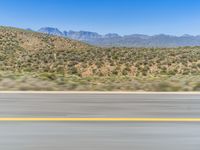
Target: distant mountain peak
x,y
51,30
112,35
82,35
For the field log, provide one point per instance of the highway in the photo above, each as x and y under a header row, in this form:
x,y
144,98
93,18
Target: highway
x,y
101,135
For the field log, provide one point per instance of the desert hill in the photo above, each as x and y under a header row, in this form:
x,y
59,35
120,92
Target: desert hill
x,y
69,64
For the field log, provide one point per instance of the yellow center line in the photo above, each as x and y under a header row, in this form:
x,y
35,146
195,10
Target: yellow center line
x,y
103,119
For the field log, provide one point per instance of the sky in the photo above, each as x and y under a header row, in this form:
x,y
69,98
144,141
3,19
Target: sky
x,y
175,17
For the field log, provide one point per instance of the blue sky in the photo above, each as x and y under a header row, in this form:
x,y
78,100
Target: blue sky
x,y
175,17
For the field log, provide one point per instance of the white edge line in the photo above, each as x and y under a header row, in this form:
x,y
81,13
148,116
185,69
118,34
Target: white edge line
x,y
94,92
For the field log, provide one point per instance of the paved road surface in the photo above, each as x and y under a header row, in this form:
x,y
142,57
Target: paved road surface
x,y
99,135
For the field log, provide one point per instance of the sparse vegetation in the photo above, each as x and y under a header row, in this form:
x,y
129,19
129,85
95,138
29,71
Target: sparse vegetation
x,y
35,61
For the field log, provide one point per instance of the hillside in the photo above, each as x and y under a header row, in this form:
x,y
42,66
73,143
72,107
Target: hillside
x,y
34,61
18,39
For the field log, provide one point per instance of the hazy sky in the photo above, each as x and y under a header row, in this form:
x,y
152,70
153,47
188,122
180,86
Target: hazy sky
x,y
175,17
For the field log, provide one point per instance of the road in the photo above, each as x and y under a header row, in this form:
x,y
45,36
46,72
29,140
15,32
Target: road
x,y
99,135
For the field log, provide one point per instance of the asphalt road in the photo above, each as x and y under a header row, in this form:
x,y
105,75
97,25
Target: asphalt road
x,y
100,135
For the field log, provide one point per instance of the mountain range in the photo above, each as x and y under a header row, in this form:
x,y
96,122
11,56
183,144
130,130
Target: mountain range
x,y
133,40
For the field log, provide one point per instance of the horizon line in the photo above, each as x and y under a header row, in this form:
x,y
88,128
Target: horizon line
x,y
104,34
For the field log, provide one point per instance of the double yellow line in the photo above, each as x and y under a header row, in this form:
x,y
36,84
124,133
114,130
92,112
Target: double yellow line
x,y
100,119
